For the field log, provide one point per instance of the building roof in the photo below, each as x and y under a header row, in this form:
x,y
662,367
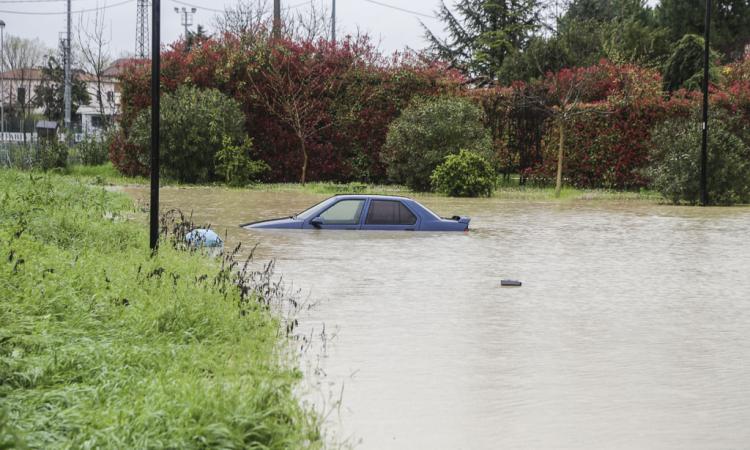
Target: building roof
x,y
27,74
115,69
22,74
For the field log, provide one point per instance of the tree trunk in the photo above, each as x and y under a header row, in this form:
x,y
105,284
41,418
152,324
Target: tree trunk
x,y
102,112
558,184
304,160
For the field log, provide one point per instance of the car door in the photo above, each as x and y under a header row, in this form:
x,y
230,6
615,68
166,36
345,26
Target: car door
x,y
390,215
345,214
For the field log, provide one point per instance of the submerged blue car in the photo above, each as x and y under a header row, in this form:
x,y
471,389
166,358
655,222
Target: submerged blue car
x,y
366,212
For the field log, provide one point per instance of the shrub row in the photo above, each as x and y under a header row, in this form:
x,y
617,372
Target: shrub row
x,y
346,93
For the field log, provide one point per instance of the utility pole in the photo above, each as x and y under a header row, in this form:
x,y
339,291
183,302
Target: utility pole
x,y
333,22
276,18
68,93
704,148
186,18
155,111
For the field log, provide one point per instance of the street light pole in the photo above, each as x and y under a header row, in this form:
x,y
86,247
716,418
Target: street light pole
x,y
2,80
68,88
186,18
333,22
155,63
704,147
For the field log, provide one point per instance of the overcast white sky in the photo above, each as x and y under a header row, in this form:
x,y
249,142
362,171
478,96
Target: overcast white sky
x,y
394,29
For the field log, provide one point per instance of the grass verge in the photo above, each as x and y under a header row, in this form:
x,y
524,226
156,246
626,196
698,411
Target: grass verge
x,y
103,346
507,190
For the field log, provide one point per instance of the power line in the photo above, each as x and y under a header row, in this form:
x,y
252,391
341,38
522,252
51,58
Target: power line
x,y
193,5
57,13
416,13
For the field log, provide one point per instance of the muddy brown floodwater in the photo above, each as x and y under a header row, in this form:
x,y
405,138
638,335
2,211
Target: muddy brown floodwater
x,y
632,328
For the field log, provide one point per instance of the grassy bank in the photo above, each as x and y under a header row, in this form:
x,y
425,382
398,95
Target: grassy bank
x,y
509,190
102,346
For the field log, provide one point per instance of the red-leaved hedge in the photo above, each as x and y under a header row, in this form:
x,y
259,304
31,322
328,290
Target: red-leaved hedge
x,y
347,112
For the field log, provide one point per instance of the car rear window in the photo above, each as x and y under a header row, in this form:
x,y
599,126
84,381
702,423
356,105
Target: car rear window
x,y
389,212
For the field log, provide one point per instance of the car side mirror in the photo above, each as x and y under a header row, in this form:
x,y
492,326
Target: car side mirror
x,y
316,222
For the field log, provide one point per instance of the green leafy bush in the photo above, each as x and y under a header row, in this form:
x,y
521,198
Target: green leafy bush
x,y
466,174
426,132
194,124
234,165
52,154
93,150
675,168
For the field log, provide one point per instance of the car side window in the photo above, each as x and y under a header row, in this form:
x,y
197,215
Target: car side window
x,y
389,212
345,212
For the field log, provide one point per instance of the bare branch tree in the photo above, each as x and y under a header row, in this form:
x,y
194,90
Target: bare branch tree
x,y
253,19
246,17
308,24
94,48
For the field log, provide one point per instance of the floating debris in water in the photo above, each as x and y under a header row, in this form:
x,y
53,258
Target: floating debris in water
x,y
206,239
511,283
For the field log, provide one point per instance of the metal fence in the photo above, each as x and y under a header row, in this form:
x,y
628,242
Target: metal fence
x,y
20,154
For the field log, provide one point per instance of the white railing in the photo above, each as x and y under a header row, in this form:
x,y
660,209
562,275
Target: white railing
x,y
17,137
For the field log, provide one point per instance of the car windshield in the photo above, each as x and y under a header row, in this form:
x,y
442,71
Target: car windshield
x,y
308,213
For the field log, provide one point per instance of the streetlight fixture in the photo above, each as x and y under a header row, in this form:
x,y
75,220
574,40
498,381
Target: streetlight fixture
x,y
186,17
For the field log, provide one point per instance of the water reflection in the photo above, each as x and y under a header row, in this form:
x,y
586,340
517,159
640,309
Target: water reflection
x,y
631,330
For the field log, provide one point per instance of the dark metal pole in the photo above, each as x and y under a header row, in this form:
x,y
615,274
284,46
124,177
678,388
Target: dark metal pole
x,y
704,148
276,18
155,63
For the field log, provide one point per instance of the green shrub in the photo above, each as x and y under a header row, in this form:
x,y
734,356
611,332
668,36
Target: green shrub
x,y
466,174
426,132
93,150
234,165
52,154
675,167
194,124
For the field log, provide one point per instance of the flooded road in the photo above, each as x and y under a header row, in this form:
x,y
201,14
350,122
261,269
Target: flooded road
x,y
632,329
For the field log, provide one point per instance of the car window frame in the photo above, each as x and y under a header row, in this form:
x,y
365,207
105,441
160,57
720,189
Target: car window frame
x,y
389,200
365,203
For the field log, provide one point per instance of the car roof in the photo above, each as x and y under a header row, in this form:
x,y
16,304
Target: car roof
x,y
372,196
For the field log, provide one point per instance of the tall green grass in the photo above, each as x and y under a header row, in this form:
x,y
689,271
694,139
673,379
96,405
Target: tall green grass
x,y
104,346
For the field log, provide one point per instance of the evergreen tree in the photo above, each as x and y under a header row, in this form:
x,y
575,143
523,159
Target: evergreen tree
x,y
608,10
484,33
684,69
197,37
730,30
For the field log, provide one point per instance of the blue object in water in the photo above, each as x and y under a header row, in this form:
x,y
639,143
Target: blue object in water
x,y
201,237
367,212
